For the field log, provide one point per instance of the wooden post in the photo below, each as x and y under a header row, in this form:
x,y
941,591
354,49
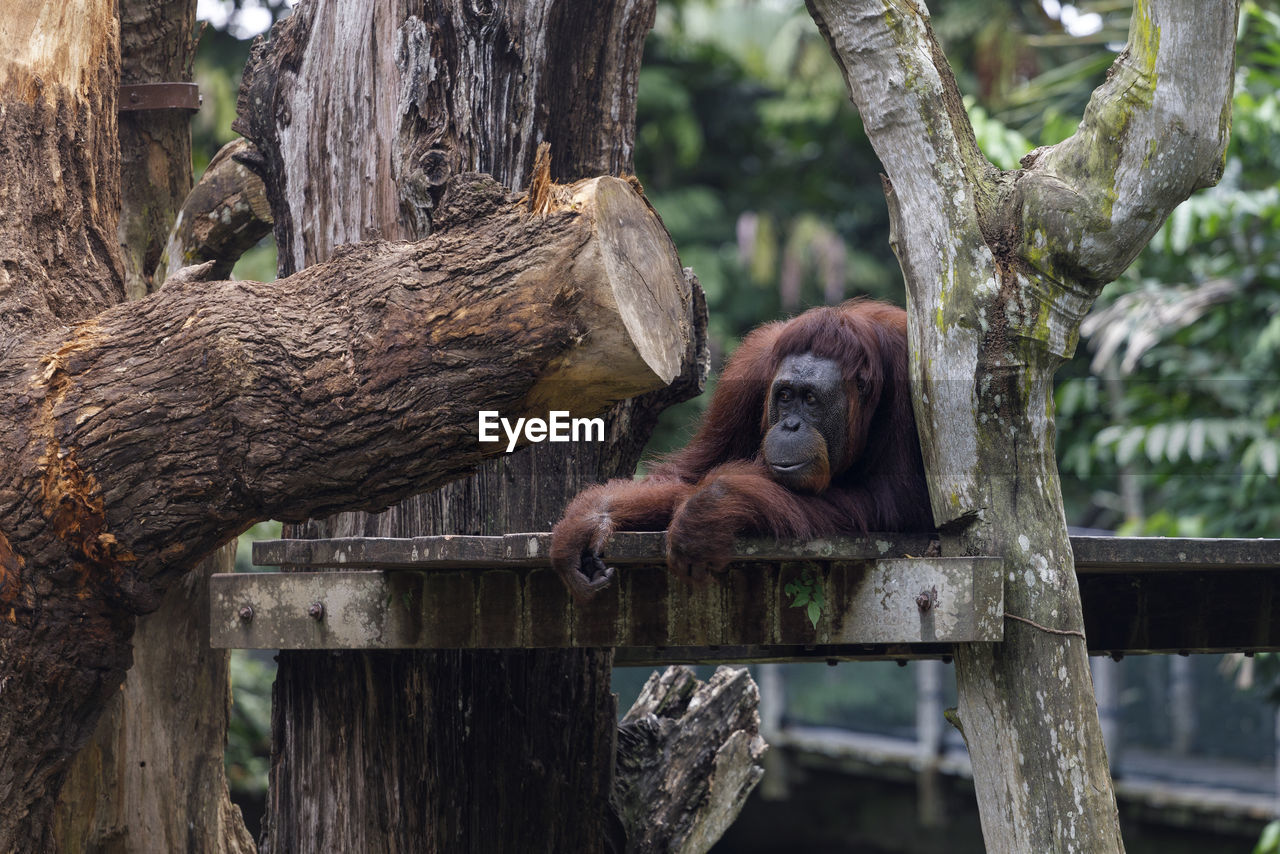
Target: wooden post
x,y
929,731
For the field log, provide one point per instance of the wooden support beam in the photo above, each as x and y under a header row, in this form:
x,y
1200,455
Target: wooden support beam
x,y
867,601
1141,595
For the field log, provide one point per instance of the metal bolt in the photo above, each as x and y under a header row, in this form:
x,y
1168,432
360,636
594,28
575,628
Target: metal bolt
x,y
246,614
316,611
927,599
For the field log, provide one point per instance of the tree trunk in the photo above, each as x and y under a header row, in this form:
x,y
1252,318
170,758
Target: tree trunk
x,y
153,777
1000,268
485,751
61,264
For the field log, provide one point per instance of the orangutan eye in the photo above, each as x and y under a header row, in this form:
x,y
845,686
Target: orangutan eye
x,y
784,395
811,399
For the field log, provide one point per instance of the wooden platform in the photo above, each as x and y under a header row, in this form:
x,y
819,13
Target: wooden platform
x,y
882,601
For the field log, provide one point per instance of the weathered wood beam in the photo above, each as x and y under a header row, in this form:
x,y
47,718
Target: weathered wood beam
x,y
626,548
866,602
1141,595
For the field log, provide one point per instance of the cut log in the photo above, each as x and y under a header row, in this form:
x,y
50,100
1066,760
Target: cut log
x,y
499,311
645,350
688,755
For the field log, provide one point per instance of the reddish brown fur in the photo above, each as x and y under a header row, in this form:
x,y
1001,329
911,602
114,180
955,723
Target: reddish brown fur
x,y
717,487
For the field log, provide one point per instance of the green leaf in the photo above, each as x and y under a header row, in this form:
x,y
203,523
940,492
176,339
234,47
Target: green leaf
x,y
1195,440
1177,440
1269,457
1128,445
814,611
1156,442
1269,842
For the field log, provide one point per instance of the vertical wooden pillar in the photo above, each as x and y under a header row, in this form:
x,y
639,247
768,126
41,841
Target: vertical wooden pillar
x,y
362,111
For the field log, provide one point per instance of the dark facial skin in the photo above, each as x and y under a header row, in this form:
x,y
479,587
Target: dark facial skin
x,y
808,417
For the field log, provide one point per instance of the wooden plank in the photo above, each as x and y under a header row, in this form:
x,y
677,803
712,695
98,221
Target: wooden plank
x,y
1092,554
627,548
661,656
361,610
869,602
1140,595
1133,554
1194,611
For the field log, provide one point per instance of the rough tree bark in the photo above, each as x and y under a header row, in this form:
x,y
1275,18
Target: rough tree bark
x,y
140,436
1000,269
224,216
688,756
447,751
153,777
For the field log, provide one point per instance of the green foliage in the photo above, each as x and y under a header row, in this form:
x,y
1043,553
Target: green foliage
x,y
1269,842
249,731
806,592
748,147
1189,340
1002,145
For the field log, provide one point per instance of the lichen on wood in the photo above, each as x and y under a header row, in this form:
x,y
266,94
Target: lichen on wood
x,y
1000,269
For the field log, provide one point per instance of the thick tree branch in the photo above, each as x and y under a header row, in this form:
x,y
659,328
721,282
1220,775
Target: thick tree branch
x,y
212,405
911,109
1152,134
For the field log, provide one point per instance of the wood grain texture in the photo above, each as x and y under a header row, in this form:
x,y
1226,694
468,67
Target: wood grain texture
x,y
520,743
688,756
867,602
58,165
146,437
